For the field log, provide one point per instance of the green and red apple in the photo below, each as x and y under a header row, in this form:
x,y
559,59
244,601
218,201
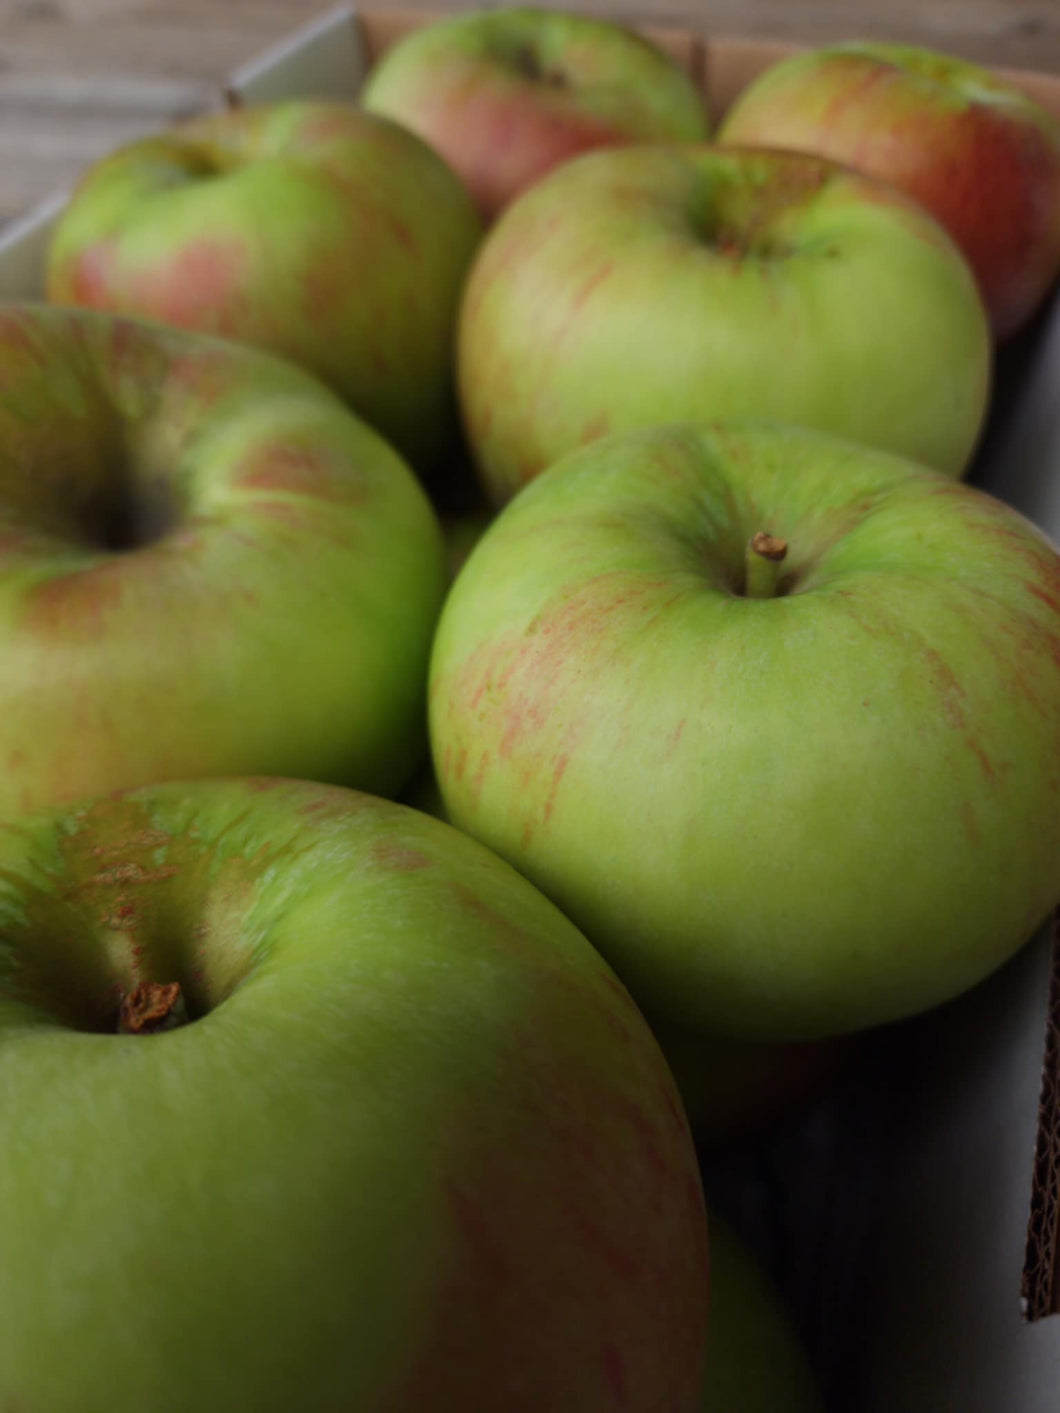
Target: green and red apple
x,y
328,235
310,1103
773,717
506,95
643,286
756,1361
974,150
208,566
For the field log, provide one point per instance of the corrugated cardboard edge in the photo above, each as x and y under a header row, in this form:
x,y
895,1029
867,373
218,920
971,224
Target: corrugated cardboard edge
x,y
1041,1264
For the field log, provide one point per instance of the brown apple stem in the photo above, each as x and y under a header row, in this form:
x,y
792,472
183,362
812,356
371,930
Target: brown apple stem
x,y
150,1007
765,554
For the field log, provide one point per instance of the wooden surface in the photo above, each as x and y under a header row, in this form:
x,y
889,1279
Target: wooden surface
x,y
77,77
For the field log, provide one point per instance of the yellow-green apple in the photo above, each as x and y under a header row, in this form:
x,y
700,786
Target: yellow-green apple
x,y
649,285
208,566
506,95
773,717
979,154
756,1361
311,1103
325,234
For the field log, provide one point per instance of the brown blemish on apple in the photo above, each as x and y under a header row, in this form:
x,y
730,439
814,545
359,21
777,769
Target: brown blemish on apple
x,y
151,1007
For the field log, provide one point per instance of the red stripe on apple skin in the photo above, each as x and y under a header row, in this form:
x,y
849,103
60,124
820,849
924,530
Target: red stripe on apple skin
x,y
392,854
499,144
75,603
558,770
296,470
589,287
489,1205
615,1368
89,275
987,171
197,287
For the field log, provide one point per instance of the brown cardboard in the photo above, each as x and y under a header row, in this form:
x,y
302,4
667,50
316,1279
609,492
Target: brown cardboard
x,y
1041,1263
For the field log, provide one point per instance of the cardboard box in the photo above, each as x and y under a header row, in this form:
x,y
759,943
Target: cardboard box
x,y
897,1212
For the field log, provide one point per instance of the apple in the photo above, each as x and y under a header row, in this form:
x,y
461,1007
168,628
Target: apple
x,y
311,1103
975,151
773,717
328,235
208,566
756,1362
507,95
738,1091
644,285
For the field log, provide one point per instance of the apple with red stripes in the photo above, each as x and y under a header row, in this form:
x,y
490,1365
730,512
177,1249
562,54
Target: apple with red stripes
x,y
315,230
976,151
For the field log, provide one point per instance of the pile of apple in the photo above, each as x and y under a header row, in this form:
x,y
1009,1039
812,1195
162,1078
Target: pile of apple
x,y
743,710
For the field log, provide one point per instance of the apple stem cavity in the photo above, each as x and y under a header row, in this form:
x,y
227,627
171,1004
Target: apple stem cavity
x,y
151,1007
765,554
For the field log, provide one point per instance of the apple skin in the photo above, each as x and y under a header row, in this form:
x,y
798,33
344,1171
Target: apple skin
x,y
977,153
504,96
325,234
644,286
208,566
780,818
416,1147
756,1362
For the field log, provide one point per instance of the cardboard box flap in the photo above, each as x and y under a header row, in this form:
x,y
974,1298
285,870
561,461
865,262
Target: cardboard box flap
x,y
1041,1265
326,58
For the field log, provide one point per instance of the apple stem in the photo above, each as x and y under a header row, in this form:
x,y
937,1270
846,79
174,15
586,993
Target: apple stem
x,y
765,555
150,1007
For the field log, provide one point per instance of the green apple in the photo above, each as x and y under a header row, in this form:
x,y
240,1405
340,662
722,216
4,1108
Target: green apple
x,y
325,234
756,1362
648,285
506,95
310,1103
208,566
774,718
975,151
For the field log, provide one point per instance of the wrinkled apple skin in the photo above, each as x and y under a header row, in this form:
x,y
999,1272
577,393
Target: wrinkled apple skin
x,y
416,1148
507,95
977,153
208,566
783,817
642,286
322,233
